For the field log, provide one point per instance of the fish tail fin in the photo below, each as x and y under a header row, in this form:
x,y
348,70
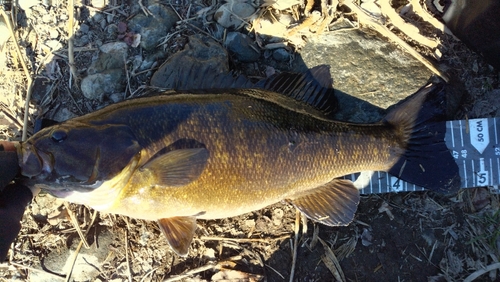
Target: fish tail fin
x,y
426,161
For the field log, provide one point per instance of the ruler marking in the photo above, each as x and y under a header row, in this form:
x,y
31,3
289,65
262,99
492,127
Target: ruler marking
x,y
495,127
474,175
465,175
498,169
461,133
371,183
452,134
379,182
388,181
491,172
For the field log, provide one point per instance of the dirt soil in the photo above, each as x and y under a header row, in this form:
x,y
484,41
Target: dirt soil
x,y
419,236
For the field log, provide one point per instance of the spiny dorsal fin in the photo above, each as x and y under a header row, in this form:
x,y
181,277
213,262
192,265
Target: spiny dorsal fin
x,y
333,204
179,232
313,88
178,167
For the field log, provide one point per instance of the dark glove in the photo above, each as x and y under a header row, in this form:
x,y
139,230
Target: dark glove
x,y
8,166
13,199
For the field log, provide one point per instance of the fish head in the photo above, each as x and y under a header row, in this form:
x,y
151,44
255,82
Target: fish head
x,y
77,154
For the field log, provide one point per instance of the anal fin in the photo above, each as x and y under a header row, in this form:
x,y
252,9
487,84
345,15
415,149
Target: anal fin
x,y
333,204
179,231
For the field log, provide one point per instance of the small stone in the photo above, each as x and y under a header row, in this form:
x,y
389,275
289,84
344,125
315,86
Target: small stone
x,y
277,216
47,18
63,115
99,85
110,18
111,32
281,55
81,41
243,47
112,56
147,26
53,33
84,28
53,44
116,97
230,15
366,237
250,223
209,254
98,17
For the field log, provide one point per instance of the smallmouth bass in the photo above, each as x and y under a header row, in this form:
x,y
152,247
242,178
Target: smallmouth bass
x,y
184,156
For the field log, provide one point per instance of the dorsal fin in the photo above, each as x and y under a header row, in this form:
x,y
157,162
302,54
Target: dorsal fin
x,y
313,88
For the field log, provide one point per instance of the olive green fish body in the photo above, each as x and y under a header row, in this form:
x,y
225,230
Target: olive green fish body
x,y
260,153
182,156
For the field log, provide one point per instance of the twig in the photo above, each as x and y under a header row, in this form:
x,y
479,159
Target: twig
x,y
82,240
419,11
408,29
480,272
26,72
384,31
71,57
331,262
191,272
75,255
295,243
243,240
77,226
280,275
145,10
36,270
126,257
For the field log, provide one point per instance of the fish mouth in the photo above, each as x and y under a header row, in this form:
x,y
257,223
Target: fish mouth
x,y
35,163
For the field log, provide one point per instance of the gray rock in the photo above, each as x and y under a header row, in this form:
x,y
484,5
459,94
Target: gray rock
x,y
281,55
99,85
368,69
84,268
242,46
111,32
112,56
489,106
84,29
201,53
231,15
80,41
153,28
63,115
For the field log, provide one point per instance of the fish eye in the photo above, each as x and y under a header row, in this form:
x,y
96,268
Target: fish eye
x,y
58,135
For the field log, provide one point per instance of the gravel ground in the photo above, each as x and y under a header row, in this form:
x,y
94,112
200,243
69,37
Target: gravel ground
x,y
419,236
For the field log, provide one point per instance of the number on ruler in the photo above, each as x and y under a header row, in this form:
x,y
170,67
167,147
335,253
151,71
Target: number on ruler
x,y
396,184
482,178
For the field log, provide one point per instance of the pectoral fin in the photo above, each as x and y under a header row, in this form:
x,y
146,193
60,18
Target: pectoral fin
x,y
179,232
178,167
334,203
